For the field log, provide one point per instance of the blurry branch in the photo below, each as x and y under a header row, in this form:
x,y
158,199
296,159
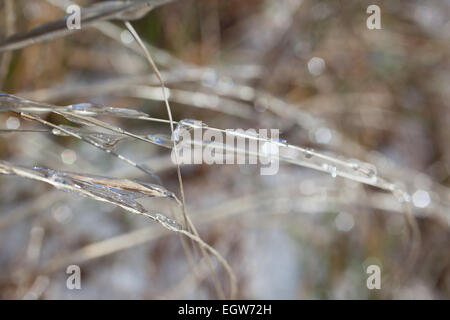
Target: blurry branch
x,y
120,192
261,204
112,31
28,208
9,27
192,281
334,165
112,191
287,111
109,10
101,141
127,87
187,220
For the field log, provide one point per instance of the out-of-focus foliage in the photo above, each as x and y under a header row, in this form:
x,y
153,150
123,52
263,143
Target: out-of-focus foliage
x,y
309,68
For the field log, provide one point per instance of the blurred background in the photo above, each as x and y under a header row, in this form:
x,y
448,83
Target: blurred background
x,y
309,68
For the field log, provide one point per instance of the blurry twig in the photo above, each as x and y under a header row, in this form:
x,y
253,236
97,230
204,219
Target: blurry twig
x,y
10,19
109,10
188,223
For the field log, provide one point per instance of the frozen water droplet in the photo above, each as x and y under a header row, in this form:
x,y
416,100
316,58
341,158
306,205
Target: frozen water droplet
x,y
355,166
270,150
401,195
161,139
81,107
331,169
161,217
124,112
186,124
283,141
369,170
95,109
192,123
309,153
250,134
172,224
104,140
58,132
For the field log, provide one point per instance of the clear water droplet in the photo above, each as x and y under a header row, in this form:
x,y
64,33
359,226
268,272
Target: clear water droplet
x,y
309,153
161,139
355,166
104,140
332,170
58,132
192,123
170,223
401,195
81,107
95,109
